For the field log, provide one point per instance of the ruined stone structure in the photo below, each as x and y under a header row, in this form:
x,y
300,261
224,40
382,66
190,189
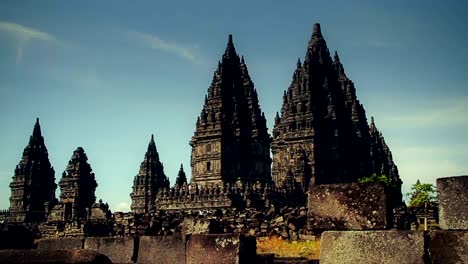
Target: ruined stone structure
x,y
231,143
149,180
33,186
322,135
77,186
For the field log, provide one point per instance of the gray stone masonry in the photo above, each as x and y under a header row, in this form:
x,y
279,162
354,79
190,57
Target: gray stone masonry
x,y
453,202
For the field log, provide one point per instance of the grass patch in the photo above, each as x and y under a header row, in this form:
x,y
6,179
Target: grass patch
x,y
284,248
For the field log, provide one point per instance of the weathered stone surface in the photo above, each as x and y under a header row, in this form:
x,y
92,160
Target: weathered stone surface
x,y
321,134
448,247
453,202
60,243
15,237
352,206
119,249
223,248
379,247
159,249
52,256
194,226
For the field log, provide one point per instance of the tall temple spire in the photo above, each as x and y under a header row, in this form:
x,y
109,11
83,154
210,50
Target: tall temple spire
x,y
231,122
149,181
321,119
33,186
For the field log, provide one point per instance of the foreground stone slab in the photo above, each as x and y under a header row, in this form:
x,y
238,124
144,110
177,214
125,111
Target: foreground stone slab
x,y
448,247
52,256
355,206
453,202
379,247
60,243
159,249
222,248
118,249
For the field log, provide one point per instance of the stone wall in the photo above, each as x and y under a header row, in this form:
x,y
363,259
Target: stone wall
x,y
453,202
436,247
225,248
354,206
379,247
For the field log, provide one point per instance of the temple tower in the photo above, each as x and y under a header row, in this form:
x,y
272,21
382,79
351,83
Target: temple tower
x,y
231,143
149,180
181,179
77,186
321,135
33,186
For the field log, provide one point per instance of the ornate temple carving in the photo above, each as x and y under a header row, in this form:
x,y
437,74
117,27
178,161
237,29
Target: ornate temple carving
x,y
321,135
33,185
77,186
149,180
231,143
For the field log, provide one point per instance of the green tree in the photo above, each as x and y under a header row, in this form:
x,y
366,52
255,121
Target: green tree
x,y
422,195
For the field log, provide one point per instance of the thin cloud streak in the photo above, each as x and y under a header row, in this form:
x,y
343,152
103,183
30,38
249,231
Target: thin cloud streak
x,y
23,35
155,42
438,113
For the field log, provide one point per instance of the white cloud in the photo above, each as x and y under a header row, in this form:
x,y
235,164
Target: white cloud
x,y
121,207
155,42
23,35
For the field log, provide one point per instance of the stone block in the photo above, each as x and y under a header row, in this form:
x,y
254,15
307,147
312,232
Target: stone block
x,y
159,249
220,248
448,247
354,206
379,247
52,256
118,249
453,202
194,226
60,243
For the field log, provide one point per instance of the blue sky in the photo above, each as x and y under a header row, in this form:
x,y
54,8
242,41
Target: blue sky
x,y
105,75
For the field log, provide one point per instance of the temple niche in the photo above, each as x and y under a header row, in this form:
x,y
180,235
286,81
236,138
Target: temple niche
x,y
231,143
321,135
33,184
149,181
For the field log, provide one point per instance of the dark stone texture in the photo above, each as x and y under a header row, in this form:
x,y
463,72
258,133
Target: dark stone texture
x,y
321,135
119,250
159,249
33,186
265,258
355,206
231,143
61,243
379,247
453,202
52,256
223,248
448,247
16,237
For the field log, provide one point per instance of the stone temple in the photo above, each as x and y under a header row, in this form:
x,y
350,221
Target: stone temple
x,y
320,136
231,143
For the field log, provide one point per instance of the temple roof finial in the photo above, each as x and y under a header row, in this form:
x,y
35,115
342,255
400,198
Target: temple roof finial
x,y
299,64
316,29
230,50
336,58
